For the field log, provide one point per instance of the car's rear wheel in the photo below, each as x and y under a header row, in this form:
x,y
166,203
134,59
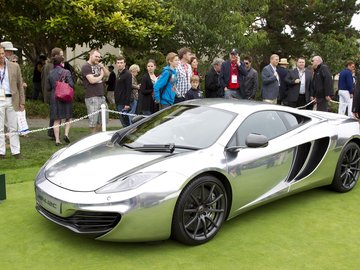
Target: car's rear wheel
x,y
200,211
348,168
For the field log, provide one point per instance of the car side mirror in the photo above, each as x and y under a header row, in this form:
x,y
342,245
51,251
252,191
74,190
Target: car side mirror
x,y
254,140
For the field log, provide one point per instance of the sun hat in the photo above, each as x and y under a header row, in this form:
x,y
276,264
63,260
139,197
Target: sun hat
x,y
283,61
8,46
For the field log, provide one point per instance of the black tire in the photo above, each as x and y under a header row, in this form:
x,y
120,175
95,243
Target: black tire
x,y
200,211
347,169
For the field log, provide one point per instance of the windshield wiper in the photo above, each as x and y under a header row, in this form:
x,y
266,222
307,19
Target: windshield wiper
x,y
168,148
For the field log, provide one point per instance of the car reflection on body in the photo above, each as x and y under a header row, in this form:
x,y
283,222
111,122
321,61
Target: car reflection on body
x,y
185,170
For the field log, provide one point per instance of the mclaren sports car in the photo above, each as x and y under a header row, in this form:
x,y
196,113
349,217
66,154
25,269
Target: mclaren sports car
x,y
185,170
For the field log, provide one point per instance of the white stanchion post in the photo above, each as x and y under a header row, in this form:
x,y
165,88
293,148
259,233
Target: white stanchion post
x,y
103,117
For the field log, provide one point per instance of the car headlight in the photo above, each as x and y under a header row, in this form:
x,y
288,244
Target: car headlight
x,y
128,182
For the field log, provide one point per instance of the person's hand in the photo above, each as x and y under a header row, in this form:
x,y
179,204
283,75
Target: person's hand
x,y
297,81
328,98
22,107
238,59
225,89
126,107
356,115
351,95
101,65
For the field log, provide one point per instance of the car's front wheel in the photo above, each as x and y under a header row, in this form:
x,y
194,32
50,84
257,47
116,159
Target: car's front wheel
x,y
200,211
348,168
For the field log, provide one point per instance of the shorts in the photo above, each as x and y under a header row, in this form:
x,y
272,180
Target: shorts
x,y
93,104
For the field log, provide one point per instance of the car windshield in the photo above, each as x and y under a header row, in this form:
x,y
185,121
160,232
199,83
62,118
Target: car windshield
x,y
181,125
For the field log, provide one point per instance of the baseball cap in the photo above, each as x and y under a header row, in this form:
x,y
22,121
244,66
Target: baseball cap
x,y
234,51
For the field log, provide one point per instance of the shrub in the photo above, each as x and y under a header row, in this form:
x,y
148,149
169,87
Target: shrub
x,y
36,108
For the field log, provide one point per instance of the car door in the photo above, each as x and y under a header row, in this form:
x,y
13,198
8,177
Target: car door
x,y
256,171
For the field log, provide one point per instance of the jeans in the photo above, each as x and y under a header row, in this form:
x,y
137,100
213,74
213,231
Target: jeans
x,y
124,119
133,105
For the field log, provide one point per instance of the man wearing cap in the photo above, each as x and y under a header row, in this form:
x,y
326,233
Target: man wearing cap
x,y
231,75
12,99
9,48
271,81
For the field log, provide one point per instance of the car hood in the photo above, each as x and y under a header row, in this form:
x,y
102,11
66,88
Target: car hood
x,y
94,167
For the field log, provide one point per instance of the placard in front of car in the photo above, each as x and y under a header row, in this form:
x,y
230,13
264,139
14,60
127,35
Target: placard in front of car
x,y
49,203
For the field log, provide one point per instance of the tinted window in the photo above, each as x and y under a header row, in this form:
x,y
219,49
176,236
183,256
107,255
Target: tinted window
x,y
292,121
182,125
266,123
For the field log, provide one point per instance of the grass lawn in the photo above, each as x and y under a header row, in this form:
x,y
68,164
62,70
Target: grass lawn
x,y
317,229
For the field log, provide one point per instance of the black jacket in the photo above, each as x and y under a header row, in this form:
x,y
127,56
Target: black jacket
x,y
146,99
111,81
193,94
212,85
292,93
356,99
123,88
322,82
283,85
251,84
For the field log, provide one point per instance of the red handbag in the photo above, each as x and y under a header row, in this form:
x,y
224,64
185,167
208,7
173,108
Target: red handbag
x,y
63,91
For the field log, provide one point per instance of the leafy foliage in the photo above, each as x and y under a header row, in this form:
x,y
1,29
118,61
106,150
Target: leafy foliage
x,y
213,27
39,25
304,28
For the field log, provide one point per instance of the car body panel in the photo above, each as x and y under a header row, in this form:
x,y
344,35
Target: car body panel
x,y
71,180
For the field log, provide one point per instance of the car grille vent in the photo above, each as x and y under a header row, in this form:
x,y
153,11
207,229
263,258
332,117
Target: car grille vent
x,y
93,221
85,222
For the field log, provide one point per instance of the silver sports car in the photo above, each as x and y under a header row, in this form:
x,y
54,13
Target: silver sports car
x,y
185,170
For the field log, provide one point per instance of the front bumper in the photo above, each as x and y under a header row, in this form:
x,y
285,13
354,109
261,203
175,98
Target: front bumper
x,y
144,214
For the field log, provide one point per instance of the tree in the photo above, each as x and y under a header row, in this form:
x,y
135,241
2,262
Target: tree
x,y
335,49
211,28
301,28
37,26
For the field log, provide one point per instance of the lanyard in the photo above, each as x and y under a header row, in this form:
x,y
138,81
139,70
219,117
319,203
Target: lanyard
x,y
2,76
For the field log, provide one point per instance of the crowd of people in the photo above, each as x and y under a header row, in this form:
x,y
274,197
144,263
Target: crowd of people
x,y
303,87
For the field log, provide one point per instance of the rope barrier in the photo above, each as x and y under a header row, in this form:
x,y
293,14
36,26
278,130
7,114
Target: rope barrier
x,y
110,111
306,104
70,122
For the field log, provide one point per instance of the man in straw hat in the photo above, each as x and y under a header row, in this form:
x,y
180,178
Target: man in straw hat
x,y
9,48
283,72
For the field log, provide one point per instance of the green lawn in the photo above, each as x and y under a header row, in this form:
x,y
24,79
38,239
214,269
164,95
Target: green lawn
x,y
317,229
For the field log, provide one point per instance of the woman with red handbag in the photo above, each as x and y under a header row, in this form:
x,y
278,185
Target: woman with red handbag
x,y
61,86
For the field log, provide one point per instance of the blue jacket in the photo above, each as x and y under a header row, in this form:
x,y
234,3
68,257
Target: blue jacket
x,y
346,81
168,96
270,87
